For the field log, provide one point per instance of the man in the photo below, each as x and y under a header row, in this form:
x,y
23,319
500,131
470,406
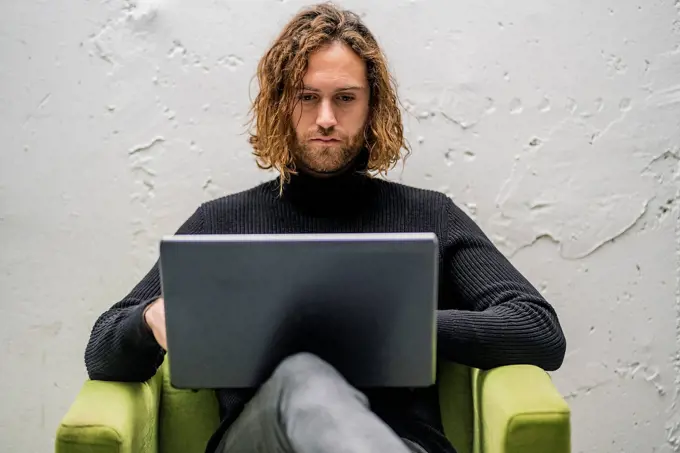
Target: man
x,y
327,118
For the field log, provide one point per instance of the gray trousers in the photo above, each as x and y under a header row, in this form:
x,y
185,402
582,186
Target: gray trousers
x,y
308,407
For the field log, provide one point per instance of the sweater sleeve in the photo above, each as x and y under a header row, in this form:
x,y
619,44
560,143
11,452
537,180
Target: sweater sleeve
x,y
500,318
121,346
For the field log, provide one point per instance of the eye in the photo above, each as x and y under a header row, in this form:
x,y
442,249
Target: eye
x,y
306,97
346,98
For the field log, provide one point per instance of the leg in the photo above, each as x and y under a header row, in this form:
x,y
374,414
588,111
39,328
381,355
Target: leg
x,y
308,407
258,428
414,447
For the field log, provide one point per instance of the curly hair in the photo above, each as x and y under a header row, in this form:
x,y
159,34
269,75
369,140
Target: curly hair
x,y
280,73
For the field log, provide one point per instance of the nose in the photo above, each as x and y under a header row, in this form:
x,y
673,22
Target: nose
x,y
325,117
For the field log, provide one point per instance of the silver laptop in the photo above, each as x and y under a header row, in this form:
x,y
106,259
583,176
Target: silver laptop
x,y
236,305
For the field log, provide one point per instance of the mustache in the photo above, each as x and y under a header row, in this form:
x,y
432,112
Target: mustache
x,y
327,132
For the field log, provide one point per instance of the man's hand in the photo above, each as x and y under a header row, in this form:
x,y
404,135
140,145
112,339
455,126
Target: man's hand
x,y
154,317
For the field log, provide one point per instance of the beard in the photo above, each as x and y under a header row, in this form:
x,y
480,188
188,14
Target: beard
x,y
330,159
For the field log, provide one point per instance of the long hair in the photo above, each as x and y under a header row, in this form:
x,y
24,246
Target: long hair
x,y
280,73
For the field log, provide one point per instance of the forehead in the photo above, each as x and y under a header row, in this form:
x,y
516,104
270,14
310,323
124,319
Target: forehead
x,y
333,66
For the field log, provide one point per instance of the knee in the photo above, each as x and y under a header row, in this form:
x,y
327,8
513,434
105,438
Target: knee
x,y
301,368
308,384
301,362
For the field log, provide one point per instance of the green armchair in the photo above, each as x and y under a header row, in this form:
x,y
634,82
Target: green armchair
x,y
512,409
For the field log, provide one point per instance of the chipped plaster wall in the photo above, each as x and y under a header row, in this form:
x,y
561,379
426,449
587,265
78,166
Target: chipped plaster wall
x,y
555,124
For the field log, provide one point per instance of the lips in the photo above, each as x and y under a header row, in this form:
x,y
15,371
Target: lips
x,y
325,139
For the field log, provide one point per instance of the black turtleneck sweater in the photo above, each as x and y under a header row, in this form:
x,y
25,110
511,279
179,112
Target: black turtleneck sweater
x,y
489,314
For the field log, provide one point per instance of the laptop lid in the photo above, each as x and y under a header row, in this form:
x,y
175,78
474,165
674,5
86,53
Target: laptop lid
x,y
236,305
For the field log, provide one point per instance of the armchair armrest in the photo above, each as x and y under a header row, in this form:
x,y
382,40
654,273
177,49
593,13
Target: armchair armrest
x,y
518,409
108,417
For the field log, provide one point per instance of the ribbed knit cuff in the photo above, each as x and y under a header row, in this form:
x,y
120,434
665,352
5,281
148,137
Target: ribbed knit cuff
x,y
141,335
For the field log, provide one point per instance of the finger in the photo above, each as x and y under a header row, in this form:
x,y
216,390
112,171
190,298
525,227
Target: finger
x,y
164,341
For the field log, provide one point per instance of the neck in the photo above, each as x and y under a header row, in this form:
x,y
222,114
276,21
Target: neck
x,y
329,195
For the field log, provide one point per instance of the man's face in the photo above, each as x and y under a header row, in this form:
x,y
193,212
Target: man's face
x,y
331,113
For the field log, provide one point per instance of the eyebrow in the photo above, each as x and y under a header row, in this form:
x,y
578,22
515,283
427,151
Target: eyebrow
x,y
346,88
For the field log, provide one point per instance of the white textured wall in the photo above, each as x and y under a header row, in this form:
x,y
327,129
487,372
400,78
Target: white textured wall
x,y
556,124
